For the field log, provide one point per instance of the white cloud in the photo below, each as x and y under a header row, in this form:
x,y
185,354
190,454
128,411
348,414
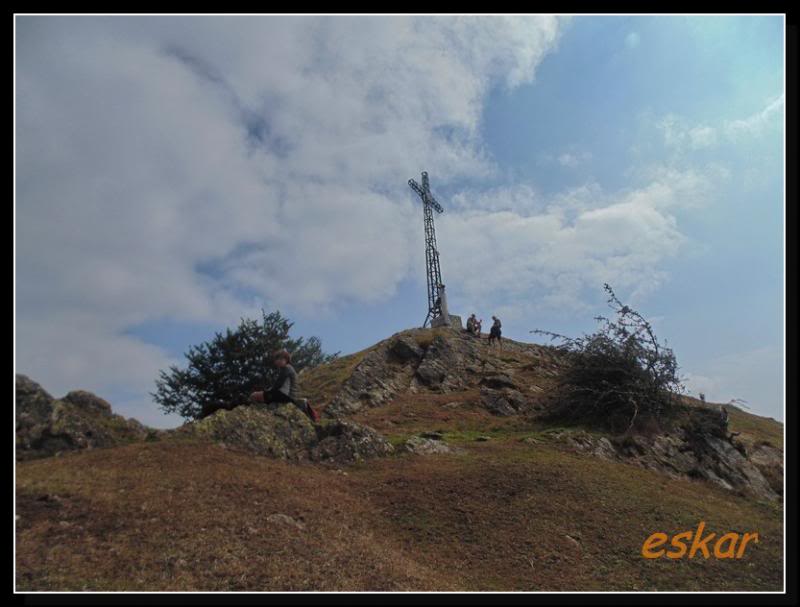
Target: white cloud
x,y
271,151
758,122
702,137
542,255
756,376
680,135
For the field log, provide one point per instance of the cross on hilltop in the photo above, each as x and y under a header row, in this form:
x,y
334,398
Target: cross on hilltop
x,y
437,302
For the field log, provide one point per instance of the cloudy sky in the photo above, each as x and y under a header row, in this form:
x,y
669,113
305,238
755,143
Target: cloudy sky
x,y
174,174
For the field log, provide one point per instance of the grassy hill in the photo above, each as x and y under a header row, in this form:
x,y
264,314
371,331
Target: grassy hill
x,y
511,508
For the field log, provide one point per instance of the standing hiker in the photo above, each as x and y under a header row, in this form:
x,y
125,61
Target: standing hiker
x,y
284,390
495,332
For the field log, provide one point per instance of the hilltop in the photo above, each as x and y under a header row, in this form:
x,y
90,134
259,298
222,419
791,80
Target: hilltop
x,y
435,467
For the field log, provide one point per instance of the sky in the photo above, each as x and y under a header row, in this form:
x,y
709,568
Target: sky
x,y
175,174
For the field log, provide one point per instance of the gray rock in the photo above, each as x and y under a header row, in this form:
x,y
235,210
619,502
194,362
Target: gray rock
x,y
285,433
443,367
503,402
88,401
382,374
498,382
420,445
405,349
33,402
680,455
345,442
81,420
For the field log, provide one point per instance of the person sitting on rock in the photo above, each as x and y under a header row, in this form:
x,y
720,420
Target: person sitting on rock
x,y
284,390
495,333
471,324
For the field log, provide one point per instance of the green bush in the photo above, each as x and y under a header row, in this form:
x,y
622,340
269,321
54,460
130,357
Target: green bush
x,y
224,371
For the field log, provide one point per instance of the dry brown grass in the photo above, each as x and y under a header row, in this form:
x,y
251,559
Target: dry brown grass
x,y
187,516
184,516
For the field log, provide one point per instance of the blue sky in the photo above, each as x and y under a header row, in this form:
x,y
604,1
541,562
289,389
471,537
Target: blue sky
x,y
175,174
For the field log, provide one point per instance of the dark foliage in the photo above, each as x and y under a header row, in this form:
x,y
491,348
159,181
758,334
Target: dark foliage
x,y
224,371
619,377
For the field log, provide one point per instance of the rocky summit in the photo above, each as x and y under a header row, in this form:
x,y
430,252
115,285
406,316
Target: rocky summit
x,y
444,360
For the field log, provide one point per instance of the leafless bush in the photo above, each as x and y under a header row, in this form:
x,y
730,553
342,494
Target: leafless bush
x,y
620,377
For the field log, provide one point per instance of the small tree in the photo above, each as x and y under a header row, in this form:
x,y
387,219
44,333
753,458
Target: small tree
x,y
224,371
619,377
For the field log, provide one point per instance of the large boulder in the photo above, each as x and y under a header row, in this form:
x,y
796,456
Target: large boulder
x,y
34,403
81,420
287,433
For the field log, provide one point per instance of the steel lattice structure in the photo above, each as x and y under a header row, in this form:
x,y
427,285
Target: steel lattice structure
x,y
429,203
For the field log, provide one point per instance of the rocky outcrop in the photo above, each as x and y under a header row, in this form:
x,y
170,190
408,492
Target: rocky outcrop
x,y
441,360
81,420
284,433
382,374
769,461
287,433
680,455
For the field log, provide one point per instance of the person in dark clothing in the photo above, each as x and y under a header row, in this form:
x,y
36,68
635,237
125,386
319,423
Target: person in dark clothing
x,y
495,333
284,390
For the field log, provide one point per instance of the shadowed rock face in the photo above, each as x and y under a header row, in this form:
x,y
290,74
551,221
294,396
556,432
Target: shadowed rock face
x,y
46,426
287,433
680,455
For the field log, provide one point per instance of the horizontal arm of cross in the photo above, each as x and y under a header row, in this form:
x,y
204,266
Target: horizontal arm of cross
x,y
415,186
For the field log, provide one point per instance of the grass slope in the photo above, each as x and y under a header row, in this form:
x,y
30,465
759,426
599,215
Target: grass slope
x,y
180,515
